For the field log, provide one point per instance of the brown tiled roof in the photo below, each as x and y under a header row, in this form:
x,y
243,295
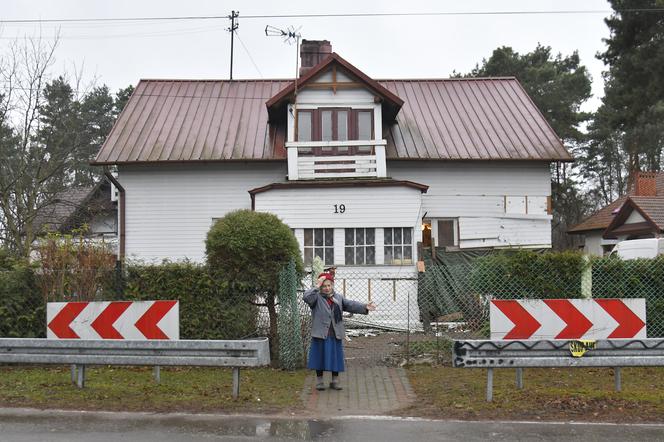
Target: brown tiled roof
x,y
653,207
221,120
601,219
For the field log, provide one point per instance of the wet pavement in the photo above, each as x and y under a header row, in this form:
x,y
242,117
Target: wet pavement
x,y
366,391
34,425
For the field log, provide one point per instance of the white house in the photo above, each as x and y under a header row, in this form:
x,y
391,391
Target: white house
x,y
361,169
638,214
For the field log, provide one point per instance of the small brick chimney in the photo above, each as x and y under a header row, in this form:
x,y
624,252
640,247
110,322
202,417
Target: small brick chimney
x,y
313,52
646,184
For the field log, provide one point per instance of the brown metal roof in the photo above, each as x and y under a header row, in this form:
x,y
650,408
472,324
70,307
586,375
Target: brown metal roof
x,y
350,182
195,120
479,119
221,120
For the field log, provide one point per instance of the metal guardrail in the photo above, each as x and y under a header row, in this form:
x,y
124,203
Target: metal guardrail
x,y
79,353
614,353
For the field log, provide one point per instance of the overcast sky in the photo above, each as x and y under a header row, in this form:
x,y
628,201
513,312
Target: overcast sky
x,y
121,53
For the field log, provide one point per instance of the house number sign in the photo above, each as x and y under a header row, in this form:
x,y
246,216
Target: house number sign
x,y
339,208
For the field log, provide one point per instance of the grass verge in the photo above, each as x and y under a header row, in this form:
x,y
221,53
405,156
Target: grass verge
x,y
549,394
133,389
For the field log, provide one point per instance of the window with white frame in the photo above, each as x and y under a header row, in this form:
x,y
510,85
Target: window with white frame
x,y
319,242
398,245
360,246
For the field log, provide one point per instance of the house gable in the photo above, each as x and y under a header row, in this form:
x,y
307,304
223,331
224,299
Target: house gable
x,y
335,73
631,219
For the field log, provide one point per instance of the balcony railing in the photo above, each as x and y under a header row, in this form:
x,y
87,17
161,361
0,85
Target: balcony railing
x,y
336,159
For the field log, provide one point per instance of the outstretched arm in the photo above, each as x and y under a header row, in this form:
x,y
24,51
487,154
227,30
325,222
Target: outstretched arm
x,y
357,307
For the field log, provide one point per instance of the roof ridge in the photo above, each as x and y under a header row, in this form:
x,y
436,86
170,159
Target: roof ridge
x,y
291,79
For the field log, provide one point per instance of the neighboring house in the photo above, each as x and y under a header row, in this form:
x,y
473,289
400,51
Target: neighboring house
x,y
639,214
362,170
90,209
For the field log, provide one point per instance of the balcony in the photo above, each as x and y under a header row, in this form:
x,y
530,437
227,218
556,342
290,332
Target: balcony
x,y
310,160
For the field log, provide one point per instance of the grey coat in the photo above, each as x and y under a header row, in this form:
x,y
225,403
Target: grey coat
x,y
322,314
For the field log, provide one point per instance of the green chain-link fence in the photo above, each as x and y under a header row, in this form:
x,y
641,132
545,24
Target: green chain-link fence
x,y
290,325
417,312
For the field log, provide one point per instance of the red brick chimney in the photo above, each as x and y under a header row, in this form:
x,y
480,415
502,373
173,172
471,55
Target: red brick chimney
x,y
313,52
646,184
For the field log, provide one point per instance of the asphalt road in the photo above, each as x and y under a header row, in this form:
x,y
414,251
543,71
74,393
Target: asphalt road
x,y
31,425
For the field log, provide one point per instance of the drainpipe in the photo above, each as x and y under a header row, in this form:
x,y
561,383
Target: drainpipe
x,y
112,179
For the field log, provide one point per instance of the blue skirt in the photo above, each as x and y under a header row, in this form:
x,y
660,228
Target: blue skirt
x,y
326,354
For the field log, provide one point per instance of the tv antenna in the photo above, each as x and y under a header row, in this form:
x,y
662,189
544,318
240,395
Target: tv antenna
x,y
289,36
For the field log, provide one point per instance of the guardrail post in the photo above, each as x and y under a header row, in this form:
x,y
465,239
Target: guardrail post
x,y
236,382
519,378
617,377
156,373
73,373
489,384
81,376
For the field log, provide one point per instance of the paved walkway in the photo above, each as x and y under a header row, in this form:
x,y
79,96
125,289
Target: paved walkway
x,y
366,390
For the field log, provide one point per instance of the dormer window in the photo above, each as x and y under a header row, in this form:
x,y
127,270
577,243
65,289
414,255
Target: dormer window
x,y
335,124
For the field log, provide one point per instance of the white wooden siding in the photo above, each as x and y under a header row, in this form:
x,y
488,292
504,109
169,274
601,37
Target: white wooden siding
x,y
489,198
634,217
504,232
364,206
170,208
326,97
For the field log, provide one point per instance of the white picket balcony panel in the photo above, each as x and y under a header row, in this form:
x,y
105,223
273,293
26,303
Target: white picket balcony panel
x,y
336,161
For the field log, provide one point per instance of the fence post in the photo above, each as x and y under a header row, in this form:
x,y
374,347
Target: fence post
x,y
236,382
408,330
81,376
489,384
73,373
519,378
587,279
156,372
617,378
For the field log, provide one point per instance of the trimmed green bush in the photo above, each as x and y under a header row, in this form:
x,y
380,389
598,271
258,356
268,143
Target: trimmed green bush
x,y
207,309
247,250
527,274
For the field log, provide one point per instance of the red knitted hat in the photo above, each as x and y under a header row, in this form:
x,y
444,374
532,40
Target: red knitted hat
x,y
327,276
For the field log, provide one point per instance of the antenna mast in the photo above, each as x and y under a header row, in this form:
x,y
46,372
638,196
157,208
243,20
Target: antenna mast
x,y
289,36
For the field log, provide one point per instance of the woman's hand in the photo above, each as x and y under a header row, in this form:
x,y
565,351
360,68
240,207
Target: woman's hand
x,y
320,281
371,306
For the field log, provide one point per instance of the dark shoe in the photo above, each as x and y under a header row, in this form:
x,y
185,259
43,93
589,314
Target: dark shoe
x,y
335,386
320,386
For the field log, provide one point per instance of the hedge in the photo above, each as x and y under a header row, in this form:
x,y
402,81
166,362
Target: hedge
x,y
207,309
639,278
527,274
22,311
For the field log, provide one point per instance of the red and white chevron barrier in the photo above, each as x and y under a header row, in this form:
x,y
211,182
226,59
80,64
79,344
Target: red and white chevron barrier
x,y
141,320
567,318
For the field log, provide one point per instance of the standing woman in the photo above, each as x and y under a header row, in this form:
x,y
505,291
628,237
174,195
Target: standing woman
x,y
326,352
